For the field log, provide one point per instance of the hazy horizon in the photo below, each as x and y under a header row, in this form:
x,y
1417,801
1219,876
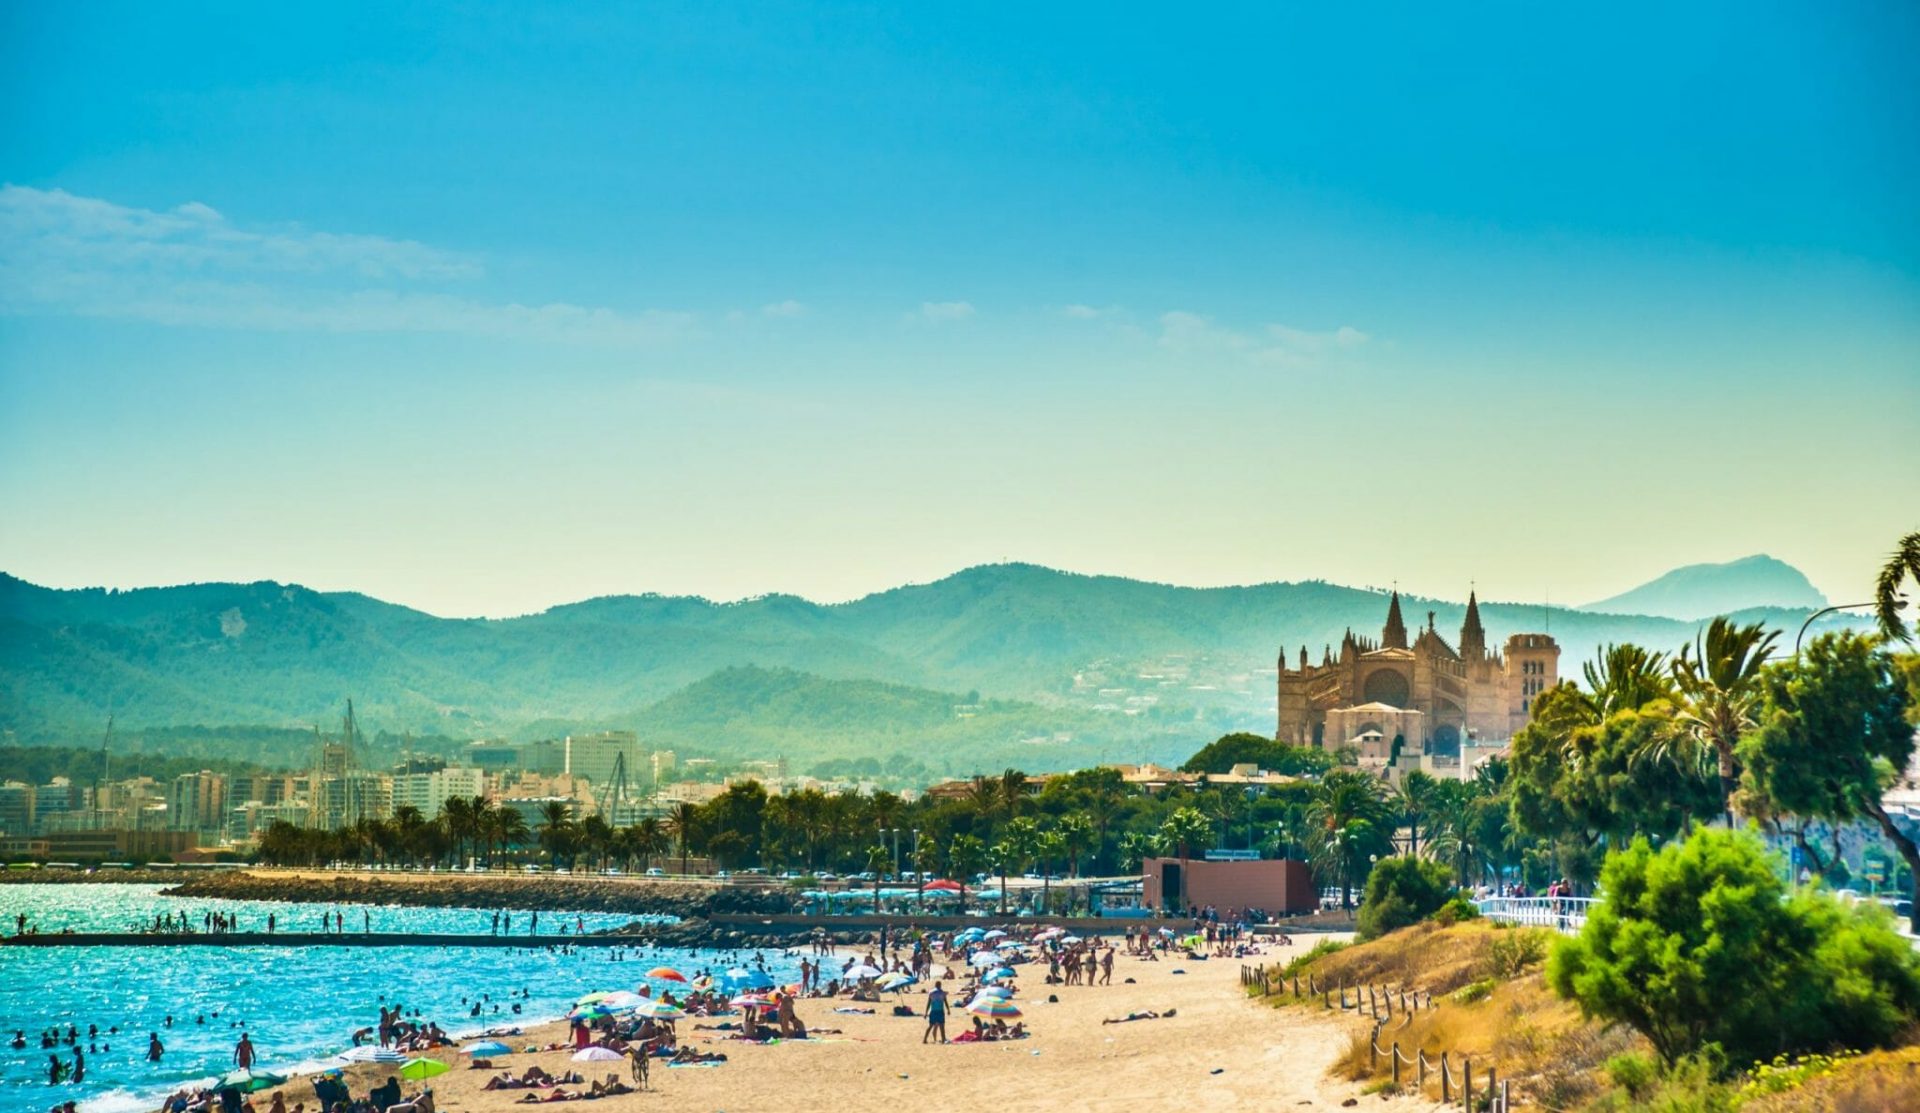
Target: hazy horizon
x,y
486,310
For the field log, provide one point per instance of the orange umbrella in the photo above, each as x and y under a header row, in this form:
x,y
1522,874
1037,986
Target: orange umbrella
x,y
666,973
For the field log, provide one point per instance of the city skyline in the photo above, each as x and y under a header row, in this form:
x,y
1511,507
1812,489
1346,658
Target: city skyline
x,y
486,310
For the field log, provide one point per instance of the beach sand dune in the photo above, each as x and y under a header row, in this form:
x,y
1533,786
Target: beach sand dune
x,y
1221,1052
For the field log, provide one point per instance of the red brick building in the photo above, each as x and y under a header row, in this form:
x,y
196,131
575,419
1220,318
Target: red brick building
x,y
1277,887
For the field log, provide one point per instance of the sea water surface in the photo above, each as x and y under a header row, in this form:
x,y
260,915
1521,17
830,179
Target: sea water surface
x,y
301,1005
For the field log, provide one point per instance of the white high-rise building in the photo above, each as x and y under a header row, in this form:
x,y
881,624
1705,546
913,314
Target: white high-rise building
x,y
428,792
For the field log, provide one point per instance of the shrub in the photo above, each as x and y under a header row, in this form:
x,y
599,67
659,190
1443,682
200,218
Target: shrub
x,y
1512,952
1699,948
1474,991
1456,910
1400,892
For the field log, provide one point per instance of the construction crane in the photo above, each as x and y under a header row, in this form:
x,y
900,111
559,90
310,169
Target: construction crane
x,y
616,795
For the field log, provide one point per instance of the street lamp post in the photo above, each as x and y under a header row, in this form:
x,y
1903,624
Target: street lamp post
x,y
1898,605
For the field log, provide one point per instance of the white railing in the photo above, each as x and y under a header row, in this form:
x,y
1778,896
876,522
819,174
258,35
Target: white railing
x,y
1568,914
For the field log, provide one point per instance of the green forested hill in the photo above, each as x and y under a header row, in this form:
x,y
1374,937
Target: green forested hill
x,y
1074,649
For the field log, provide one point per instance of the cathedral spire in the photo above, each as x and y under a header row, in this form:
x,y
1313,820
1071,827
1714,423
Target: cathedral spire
x,y
1473,636
1395,635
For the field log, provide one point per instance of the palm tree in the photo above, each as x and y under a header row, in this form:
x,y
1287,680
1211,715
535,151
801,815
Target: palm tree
x,y
504,827
456,818
684,818
1345,824
1013,791
877,862
407,824
926,860
1626,677
1076,837
1418,795
1048,846
596,838
1183,830
556,830
1904,564
983,796
965,855
649,838
1136,848
1718,679
1015,848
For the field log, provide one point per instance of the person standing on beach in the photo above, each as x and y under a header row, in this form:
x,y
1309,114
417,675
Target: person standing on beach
x,y
936,1014
243,1052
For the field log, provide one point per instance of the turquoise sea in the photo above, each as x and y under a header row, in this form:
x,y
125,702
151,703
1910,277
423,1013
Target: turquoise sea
x,y
300,1004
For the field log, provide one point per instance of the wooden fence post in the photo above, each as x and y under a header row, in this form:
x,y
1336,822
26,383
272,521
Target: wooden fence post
x,y
1446,1079
1396,1064
1490,1082
1466,1084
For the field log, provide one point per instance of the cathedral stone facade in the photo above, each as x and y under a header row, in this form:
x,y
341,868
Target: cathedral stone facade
x,y
1424,692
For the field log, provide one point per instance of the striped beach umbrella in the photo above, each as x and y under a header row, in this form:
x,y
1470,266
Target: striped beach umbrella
x,y
996,1008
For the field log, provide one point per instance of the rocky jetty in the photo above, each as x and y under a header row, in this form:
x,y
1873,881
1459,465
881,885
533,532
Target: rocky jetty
x,y
690,901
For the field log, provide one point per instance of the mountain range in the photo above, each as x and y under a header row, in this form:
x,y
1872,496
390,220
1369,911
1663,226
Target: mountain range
x,y
991,664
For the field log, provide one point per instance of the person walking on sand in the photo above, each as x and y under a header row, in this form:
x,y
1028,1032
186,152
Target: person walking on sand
x,y
936,1014
243,1052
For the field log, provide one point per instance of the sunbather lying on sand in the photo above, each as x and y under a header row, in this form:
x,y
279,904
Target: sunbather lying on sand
x,y
1148,1015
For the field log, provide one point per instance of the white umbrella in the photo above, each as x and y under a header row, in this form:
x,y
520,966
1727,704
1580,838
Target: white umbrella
x,y
984,958
371,1053
621,999
996,933
597,1055
865,971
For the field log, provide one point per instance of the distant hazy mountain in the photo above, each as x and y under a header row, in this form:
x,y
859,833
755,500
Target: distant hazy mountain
x,y
1101,659
1703,590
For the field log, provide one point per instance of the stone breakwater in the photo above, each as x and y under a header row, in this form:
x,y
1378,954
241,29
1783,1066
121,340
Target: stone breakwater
x,y
687,900
695,904
88,877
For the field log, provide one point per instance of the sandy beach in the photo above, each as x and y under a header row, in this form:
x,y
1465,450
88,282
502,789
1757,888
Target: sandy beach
x,y
1222,1051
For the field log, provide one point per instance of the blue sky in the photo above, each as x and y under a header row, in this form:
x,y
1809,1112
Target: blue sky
x,y
485,308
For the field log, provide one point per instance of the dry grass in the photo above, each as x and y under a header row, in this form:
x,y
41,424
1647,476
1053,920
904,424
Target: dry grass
x,y
1882,1082
1531,1037
1425,956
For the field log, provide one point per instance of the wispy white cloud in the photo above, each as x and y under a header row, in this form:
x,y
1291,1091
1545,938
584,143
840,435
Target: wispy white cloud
x,y
1188,332
61,253
787,308
946,310
1088,312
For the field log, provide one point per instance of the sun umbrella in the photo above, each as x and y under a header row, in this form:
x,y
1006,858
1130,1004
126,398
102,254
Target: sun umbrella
x,y
996,933
1003,972
597,1055
660,1010
487,1049
757,979
984,958
590,1012
996,1007
247,1081
419,1070
621,999
666,974
895,981
369,1053
943,885
1010,945
865,971
591,998
995,991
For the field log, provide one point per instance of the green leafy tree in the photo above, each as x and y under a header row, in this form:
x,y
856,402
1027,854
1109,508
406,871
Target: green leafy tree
x,y
1402,891
685,821
556,831
1418,796
1184,830
1242,748
1700,949
1835,737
